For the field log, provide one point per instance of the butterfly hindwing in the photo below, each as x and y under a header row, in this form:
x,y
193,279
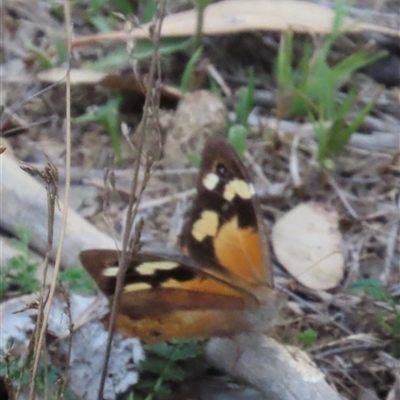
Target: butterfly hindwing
x,y
169,279
165,296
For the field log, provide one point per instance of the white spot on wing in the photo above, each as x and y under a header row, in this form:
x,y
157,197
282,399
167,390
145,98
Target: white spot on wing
x,y
238,187
207,225
210,181
133,287
149,268
111,271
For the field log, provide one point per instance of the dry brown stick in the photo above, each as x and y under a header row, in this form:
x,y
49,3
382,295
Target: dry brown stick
x,y
342,197
134,199
391,245
24,203
166,199
49,176
47,304
214,73
257,169
307,304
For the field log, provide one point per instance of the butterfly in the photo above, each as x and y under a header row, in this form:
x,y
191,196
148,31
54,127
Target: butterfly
x,y
219,284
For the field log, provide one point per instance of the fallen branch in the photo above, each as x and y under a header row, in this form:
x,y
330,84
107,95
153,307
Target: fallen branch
x,y
24,203
279,372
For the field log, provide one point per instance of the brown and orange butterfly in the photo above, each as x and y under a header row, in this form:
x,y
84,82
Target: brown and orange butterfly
x,y
220,283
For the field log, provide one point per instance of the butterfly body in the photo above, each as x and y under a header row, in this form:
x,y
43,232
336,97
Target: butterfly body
x,y
221,283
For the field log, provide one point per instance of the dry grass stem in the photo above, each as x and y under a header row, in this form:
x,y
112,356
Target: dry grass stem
x,y
42,322
149,109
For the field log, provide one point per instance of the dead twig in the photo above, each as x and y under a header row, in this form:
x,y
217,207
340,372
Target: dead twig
x,y
343,198
166,199
128,245
52,193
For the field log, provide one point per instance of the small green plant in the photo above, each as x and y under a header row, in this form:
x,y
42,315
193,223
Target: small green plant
x,y
109,117
20,272
99,12
40,56
311,89
389,321
333,137
10,366
163,368
120,58
200,7
49,377
188,73
307,338
78,280
149,10
239,129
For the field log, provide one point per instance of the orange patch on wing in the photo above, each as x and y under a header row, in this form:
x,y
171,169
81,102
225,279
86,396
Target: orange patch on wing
x,y
195,324
240,251
204,285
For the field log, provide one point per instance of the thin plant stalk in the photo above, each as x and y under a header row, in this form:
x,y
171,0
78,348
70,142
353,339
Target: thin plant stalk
x,y
134,198
43,323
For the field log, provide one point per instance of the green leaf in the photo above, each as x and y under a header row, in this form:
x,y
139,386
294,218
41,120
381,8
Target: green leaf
x,y
96,5
188,73
245,100
215,87
338,135
78,280
100,23
40,56
178,350
152,389
116,59
164,369
24,237
108,116
374,287
284,65
20,271
358,120
354,62
321,134
126,8
143,49
61,49
201,4
150,8
307,337
237,136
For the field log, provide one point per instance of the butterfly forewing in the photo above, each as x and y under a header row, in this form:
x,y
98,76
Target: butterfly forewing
x,y
223,230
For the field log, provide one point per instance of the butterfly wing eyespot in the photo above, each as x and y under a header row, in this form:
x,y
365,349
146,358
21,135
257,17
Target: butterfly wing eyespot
x,y
221,169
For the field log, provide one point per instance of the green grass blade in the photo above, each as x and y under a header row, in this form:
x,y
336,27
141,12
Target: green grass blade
x,y
245,100
189,70
284,64
237,136
126,7
40,56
